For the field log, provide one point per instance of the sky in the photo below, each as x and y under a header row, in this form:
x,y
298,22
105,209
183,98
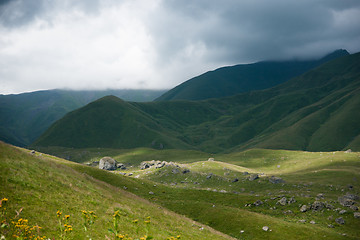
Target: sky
x,y
158,44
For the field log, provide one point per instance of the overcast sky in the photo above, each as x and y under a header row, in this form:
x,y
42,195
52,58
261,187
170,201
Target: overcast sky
x,y
157,44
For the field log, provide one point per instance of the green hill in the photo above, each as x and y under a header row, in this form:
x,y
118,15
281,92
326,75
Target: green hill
x,y
316,111
36,186
24,117
239,208
236,79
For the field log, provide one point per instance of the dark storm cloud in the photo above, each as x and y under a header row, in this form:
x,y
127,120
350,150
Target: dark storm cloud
x,y
254,30
160,43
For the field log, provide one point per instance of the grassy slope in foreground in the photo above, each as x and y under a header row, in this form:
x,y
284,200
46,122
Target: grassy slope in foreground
x,y
306,174
41,185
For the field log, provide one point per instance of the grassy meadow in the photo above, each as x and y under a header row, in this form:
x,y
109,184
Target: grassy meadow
x,y
219,193
37,186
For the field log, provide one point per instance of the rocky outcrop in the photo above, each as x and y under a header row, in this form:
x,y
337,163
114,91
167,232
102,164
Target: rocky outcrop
x,y
276,180
158,164
107,163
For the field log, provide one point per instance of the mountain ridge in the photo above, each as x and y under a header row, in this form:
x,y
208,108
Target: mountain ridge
x,y
232,80
292,113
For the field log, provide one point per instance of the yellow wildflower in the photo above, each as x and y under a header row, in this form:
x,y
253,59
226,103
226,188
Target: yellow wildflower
x,y
58,213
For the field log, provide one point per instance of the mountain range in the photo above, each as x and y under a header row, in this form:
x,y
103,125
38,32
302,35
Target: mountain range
x,y
316,111
232,80
24,117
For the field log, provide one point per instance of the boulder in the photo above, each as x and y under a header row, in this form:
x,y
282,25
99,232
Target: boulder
x,y
340,220
235,180
121,166
303,208
160,164
265,228
345,201
342,211
291,200
282,201
209,176
144,165
356,214
185,171
107,163
276,180
253,177
317,206
258,203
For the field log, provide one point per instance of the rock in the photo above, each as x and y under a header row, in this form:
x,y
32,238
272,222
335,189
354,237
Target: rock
x,y
330,226
291,200
312,222
144,165
107,163
317,206
320,196
253,177
302,221
209,176
245,173
354,208
130,174
276,180
258,203
303,208
356,214
348,151
342,212
265,228
287,212
352,196
345,201
340,220
33,152
282,201
185,171
211,159
235,180
121,166
329,206
160,164
151,193
175,171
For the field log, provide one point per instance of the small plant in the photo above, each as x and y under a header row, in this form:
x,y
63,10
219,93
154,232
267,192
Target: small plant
x,y
88,220
16,227
64,226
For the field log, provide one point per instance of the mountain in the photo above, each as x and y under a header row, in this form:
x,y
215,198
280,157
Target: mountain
x,y
24,117
315,111
228,81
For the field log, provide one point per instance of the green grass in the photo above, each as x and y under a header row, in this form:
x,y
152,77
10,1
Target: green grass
x,y
220,203
40,185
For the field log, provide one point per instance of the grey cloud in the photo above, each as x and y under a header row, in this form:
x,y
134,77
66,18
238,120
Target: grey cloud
x,y
254,30
162,43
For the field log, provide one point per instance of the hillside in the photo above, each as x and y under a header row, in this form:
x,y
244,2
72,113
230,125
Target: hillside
x,y
217,192
36,186
232,80
316,111
24,117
